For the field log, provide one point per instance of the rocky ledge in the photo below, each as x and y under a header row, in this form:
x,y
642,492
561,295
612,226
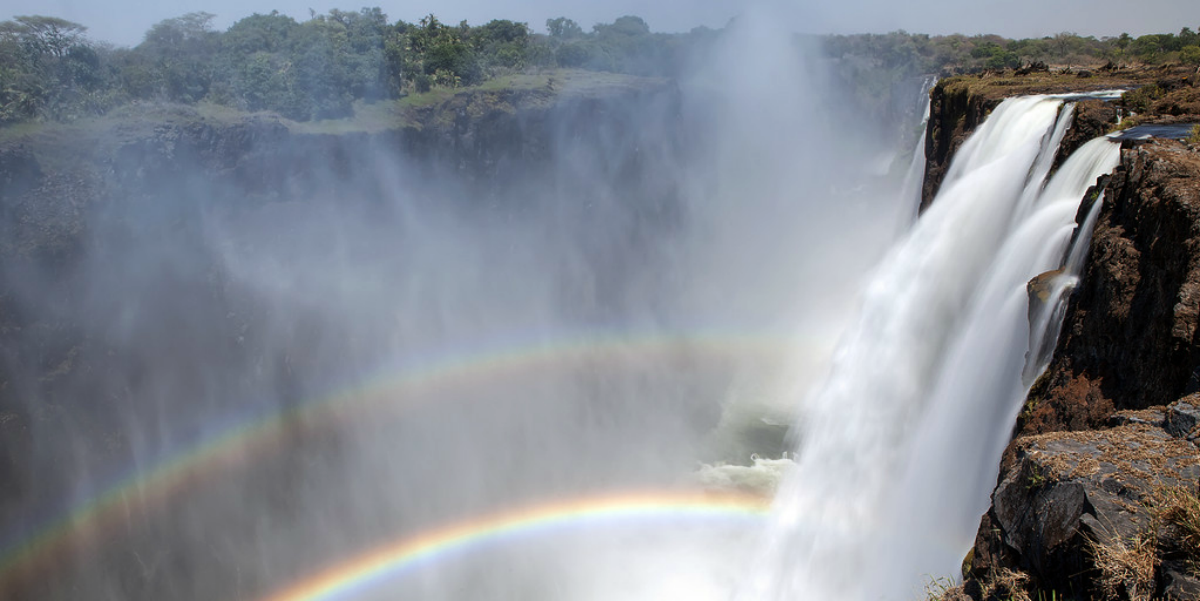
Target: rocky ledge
x,y
1089,513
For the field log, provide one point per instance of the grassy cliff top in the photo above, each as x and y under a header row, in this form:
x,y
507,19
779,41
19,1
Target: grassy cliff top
x,y
1152,95
998,84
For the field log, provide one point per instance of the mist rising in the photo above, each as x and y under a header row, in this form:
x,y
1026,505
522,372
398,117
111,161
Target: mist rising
x,y
242,373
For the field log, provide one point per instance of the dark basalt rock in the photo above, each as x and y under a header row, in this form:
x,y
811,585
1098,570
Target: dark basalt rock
x,y
1183,418
1093,118
1129,339
1115,419
1059,491
953,114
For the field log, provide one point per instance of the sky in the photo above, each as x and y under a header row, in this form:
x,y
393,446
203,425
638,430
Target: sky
x,y
123,22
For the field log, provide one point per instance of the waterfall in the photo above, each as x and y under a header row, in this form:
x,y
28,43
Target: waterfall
x,y
910,190
897,450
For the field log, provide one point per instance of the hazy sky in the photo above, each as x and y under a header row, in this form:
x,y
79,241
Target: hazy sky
x,y
124,21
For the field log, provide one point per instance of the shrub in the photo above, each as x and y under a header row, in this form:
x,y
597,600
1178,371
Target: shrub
x,y
1190,55
1139,100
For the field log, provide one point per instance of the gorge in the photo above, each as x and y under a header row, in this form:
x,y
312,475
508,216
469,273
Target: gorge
x,y
597,338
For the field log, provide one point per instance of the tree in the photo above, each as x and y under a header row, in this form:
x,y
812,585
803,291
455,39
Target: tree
x,y
624,26
563,28
47,68
501,42
1190,55
258,33
180,54
1187,37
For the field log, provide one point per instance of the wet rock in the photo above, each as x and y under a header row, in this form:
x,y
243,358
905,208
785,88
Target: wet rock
x,y
1041,287
954,112
1129,338
1092,118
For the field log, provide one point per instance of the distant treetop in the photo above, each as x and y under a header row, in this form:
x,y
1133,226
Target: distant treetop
x,y
318,68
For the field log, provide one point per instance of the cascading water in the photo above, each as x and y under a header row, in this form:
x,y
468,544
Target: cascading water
x,y
910,190
898,449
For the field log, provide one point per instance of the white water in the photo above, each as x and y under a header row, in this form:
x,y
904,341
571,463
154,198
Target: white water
x,y
898,449
910,190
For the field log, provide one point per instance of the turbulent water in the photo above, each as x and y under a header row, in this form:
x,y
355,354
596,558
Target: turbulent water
x,y
576,383
899,449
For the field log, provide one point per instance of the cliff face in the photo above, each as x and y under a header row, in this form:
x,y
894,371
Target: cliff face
x,y
486,143
1105,452
960,104
1104,456
957,109
1129,337
954,112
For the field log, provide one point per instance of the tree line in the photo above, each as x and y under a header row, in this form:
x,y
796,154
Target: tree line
x,y
923,53
303,70
317,68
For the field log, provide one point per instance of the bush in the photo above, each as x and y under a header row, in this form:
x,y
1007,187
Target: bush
x,y
1139,100
1190,55
422,82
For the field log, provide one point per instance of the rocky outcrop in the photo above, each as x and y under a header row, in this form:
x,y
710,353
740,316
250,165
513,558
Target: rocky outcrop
x,y
1065,500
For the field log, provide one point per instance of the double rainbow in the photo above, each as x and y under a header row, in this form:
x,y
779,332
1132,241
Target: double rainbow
x,y
260,434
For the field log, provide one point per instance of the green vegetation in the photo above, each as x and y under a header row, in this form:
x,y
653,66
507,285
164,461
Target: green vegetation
x,y
317,69
325,67
1139,100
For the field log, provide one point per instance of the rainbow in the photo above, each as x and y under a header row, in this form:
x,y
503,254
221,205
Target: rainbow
x,y
391,560
248,438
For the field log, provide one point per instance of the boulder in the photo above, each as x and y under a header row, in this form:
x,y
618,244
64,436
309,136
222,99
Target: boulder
x,y
1062,493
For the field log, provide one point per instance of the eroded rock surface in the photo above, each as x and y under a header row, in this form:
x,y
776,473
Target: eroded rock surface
x,y
1059,491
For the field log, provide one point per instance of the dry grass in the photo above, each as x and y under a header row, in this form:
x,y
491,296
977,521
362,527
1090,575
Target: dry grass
x,y
1006,584
1126,566
1003,583
1177,510
944,589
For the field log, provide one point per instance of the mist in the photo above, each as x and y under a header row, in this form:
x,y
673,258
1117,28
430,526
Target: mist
x,y
237,381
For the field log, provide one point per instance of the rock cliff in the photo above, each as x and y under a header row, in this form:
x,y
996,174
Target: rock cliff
x,y
1104,461
1129,337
